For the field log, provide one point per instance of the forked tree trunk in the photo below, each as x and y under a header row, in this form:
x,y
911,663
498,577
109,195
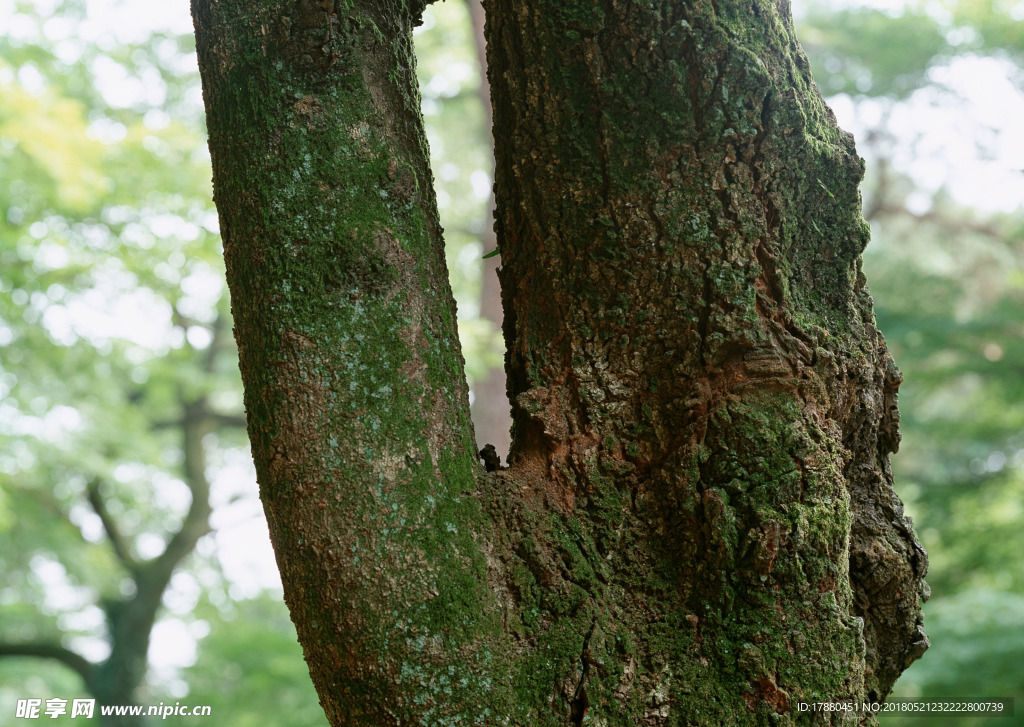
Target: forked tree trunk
x,y
698,526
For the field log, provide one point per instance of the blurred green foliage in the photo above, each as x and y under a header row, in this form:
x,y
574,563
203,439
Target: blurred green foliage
x,y
865,51
948,284
111,293
248,667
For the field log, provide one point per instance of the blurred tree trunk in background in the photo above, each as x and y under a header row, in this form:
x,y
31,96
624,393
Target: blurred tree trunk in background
x,y
698,524
490,401
131,616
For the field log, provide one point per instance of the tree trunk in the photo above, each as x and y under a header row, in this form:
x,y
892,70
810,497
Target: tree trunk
x,y
698,525
356,400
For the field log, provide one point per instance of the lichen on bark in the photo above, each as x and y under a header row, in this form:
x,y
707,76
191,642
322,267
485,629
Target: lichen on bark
x,y
698,524
356,401
690,337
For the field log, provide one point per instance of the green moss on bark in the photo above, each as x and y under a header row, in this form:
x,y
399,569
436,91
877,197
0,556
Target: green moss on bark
x,y
693,366
698,526
357,406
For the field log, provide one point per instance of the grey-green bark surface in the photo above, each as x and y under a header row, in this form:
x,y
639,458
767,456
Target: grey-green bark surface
x,y
357,405
698,524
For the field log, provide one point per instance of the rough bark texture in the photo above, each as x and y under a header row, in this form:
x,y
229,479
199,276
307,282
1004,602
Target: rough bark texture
x,y
354,391
698,525
703,408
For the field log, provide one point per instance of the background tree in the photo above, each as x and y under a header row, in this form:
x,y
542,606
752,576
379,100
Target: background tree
x,y
698,524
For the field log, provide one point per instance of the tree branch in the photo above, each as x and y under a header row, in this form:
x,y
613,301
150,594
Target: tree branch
x,y
43,650
960,224
131,619
195,422
217,330
218,419
117,541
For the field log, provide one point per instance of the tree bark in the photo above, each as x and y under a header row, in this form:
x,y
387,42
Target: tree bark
x,y
692,354
357,405
698,525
